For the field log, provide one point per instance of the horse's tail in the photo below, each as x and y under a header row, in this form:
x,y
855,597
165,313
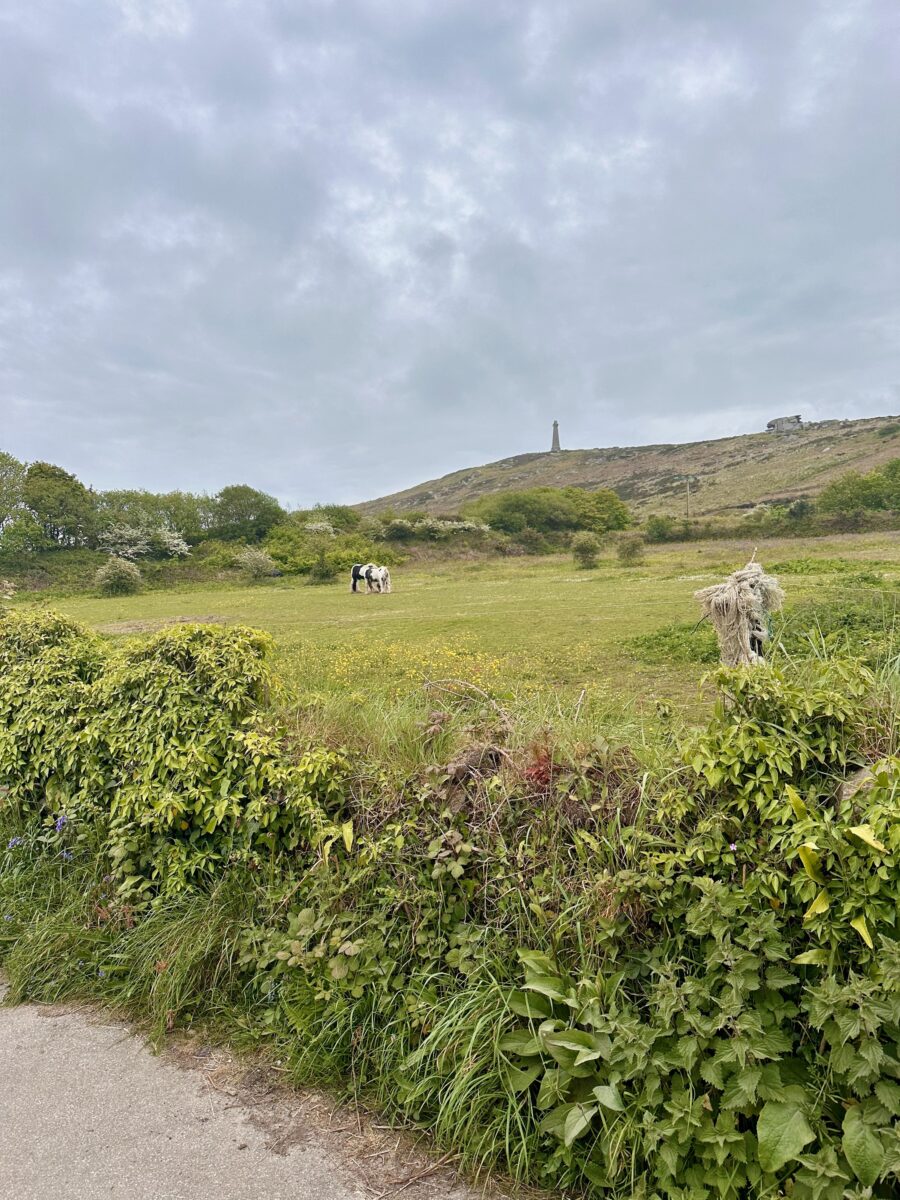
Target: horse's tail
x,y
354,575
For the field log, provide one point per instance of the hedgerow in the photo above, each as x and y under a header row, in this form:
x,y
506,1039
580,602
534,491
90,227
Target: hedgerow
x,y
668,974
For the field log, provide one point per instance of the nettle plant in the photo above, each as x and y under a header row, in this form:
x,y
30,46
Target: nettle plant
x,y
743,1036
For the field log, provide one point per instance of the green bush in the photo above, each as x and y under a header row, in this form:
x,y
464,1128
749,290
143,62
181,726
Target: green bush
x,y
630,550
161,746
670,978
741,1038
118,577
585,549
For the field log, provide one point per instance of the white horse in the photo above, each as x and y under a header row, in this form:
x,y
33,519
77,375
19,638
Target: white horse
x,y
377,579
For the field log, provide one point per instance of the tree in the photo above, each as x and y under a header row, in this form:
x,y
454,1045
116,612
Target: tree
x,y
854,491
550,510
189,514
60,504
243,513
599,511
12,479
545,509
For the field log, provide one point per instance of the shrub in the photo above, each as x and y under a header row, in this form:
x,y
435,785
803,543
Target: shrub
x,y
125,541
160,747
256,564
323,570
586,549
532,541
661,529
670,978
630,550
118,577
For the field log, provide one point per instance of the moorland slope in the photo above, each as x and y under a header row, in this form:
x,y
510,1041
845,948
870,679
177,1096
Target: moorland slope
x,y
725,475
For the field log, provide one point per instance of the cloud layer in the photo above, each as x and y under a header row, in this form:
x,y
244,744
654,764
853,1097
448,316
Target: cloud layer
x,y
334,247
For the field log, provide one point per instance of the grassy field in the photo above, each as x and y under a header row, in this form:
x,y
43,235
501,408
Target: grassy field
x,y
531,626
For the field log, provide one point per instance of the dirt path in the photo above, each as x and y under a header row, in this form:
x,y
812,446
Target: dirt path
x,y
87,1112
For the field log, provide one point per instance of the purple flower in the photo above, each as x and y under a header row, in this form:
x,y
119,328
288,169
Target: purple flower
x,y
101,972
7,916
67,856
60,822
732,845
13,842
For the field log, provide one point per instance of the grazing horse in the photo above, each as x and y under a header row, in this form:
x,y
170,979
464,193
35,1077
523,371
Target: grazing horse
x,y
377,579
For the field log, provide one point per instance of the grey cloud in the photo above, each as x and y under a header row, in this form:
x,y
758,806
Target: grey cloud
x,y
334,248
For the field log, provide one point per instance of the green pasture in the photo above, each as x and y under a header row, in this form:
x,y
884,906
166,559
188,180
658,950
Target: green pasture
x,y
537,624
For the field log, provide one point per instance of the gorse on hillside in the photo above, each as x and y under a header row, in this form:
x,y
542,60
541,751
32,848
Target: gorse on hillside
x,y
668,970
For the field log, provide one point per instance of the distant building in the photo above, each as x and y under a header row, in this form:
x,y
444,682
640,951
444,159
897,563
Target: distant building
x,y
785,424
555,446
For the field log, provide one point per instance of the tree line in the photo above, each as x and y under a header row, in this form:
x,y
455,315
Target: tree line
x,y
44,507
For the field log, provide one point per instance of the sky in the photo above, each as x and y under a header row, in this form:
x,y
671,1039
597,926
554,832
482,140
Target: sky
x,y
333,248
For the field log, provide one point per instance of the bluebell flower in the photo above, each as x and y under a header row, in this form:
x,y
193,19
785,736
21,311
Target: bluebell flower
x,y
101,972
67,855
7,916
13,842
60,822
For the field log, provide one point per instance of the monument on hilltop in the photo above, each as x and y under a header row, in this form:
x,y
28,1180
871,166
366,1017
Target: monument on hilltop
x,y
555,446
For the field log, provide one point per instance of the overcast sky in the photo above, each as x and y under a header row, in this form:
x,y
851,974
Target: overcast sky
x,y
333,248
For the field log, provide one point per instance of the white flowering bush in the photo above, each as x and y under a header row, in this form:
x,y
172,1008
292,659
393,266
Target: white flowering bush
x,y
168,543
118,577
7,589
125,541
256,564
432,529
323,528
134,541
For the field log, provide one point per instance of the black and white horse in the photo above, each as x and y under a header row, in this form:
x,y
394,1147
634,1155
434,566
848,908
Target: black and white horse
x,y
376,579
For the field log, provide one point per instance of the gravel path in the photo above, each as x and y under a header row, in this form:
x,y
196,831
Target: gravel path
x,y
87,1112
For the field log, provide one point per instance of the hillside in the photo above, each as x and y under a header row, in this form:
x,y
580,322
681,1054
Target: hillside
x,y
726,475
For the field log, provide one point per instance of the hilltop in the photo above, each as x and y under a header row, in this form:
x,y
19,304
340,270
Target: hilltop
x,y
726,475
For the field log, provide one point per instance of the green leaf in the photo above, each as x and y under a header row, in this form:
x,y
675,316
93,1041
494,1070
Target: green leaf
x,y
527,1004
811,958
811,861
862,1148
578,1122
553,1088
347,834
820,905
608,1096
859,924
555,1120
782,1131
539,964
522,1043
800,810
866,834
551,986
519,1080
